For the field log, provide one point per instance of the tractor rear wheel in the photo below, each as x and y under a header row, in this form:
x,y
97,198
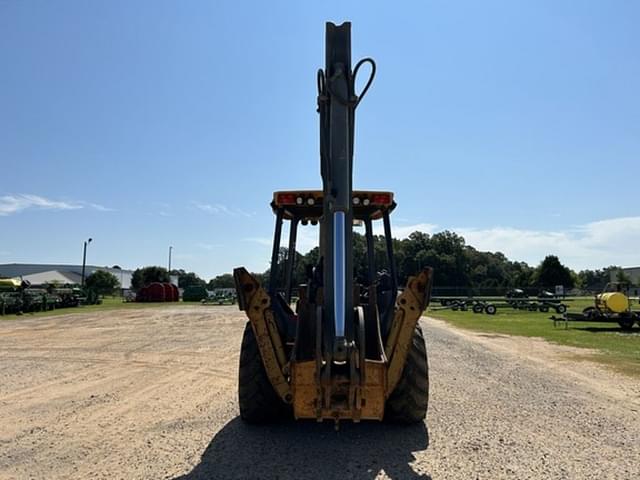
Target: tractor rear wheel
x,y
409,401
259,402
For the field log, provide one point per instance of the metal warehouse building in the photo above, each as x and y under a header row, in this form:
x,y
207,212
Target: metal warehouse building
x,y
632,272
40,273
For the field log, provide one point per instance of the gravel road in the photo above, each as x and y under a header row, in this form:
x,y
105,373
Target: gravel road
x,y
151,394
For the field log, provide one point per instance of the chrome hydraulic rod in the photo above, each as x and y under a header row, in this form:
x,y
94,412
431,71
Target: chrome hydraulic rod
x,y
339,272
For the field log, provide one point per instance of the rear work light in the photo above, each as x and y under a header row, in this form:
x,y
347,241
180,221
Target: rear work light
x,y
381,199
286,199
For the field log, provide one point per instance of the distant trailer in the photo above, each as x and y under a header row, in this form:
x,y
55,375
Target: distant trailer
x,y
625,323
490,305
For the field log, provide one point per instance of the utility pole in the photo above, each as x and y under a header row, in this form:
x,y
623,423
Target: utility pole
x,y
170,249
84,258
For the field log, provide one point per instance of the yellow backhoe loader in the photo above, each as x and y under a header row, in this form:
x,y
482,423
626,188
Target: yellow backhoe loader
x,y
348,350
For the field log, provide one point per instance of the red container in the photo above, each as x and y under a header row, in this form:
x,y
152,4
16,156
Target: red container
x,y
158,292
175,293
168,292
154,292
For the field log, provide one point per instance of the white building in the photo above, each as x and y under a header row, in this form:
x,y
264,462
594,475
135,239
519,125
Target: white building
x,y
632,272
41,273
44,273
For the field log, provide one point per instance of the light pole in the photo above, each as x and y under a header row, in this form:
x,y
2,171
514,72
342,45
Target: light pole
x,y
170,249
84,258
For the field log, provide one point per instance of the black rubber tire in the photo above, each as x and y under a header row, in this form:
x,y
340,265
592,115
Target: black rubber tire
x,y
490,309
259,402
409,402
626,324
544,308
561,308
477,308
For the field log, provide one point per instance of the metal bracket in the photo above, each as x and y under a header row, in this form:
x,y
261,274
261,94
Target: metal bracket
x,y
257,305
409,307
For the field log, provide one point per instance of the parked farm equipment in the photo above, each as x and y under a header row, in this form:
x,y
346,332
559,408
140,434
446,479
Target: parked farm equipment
x,y
18,296
219,299
612,305
348,351
514,299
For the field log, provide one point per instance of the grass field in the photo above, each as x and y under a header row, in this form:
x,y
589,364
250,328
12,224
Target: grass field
x,y
617,349
108,303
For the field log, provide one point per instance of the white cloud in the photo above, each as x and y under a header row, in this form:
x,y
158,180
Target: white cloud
x,y
208,246
597,244
403,231
97,206
265,241
306,238
11,204
164,209
220,209
614,241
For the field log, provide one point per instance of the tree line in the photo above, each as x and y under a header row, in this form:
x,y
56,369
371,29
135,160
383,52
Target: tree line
x,y
455,264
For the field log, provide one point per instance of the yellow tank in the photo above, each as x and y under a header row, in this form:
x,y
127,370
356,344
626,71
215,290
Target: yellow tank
x,y
10,283
614,301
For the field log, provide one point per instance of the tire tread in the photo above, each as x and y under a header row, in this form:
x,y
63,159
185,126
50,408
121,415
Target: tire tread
x,y
408,403
259,402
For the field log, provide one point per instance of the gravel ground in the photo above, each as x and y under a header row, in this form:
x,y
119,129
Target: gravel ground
x,y
151,394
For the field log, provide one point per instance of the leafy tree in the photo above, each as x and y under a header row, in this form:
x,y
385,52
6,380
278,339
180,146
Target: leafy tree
x,y
102,282
221,281
551,272
595,279
188,279
194,293
455,264
520,274
262,278
146,275
621,276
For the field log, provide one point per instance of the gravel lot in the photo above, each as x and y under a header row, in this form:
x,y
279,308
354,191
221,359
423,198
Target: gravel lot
x,y
151,394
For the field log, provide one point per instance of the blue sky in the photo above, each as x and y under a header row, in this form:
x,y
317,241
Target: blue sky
x,y
147,124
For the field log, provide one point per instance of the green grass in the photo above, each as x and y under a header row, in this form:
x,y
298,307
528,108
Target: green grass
x,y
616,349
108,303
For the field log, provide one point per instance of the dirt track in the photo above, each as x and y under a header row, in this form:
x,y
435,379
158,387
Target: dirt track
x,y
151,394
